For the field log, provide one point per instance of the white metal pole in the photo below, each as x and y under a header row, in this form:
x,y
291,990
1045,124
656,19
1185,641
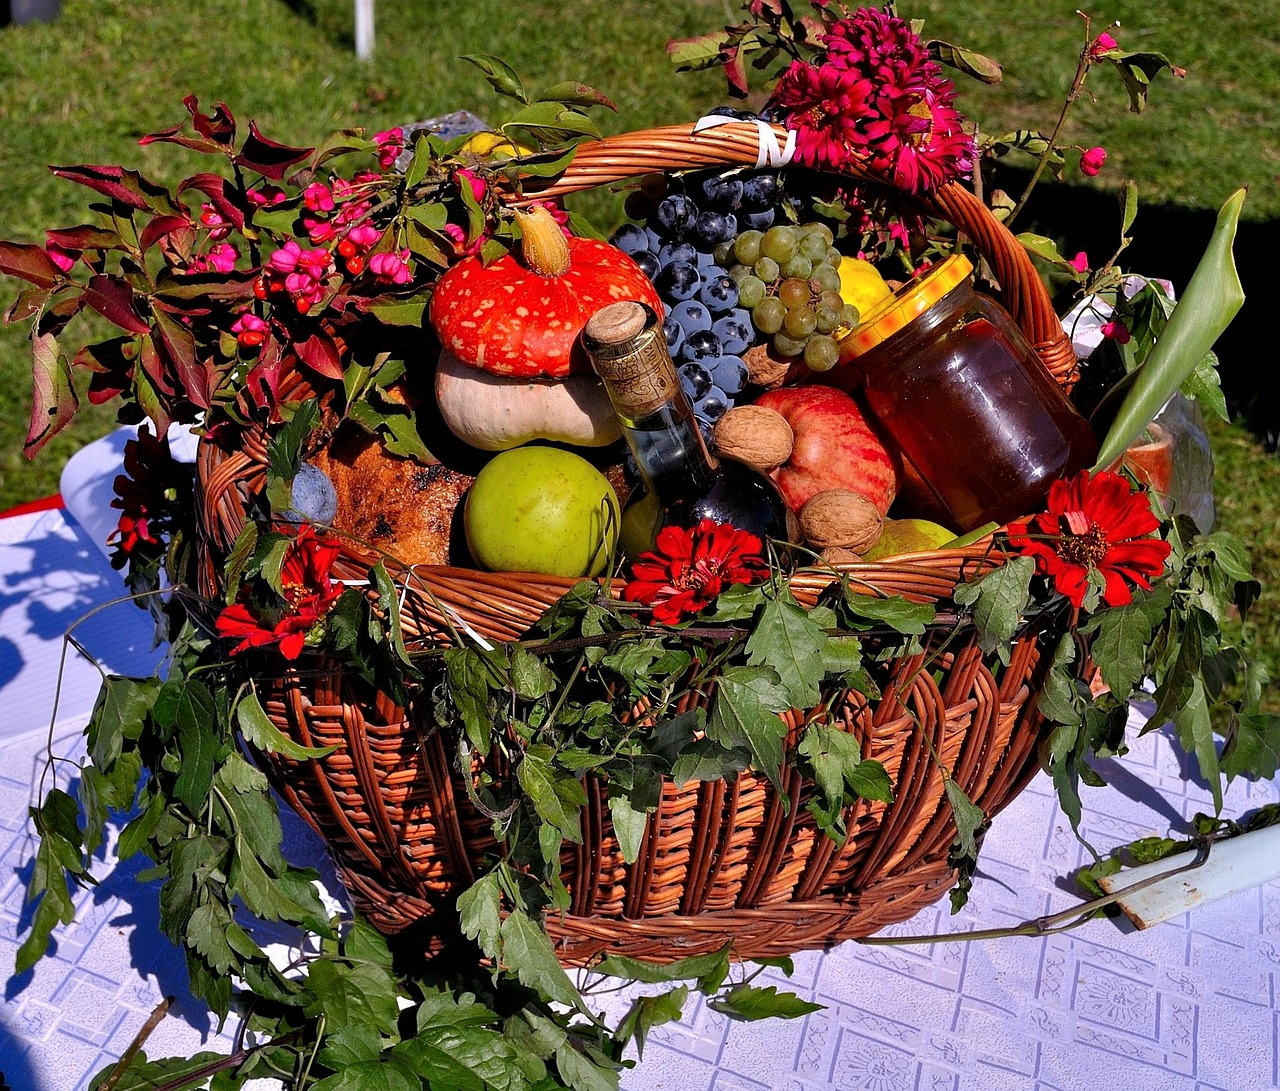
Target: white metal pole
x,y
364,29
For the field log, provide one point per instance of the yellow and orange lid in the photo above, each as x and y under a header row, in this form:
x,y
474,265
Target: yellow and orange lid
x,y
906,304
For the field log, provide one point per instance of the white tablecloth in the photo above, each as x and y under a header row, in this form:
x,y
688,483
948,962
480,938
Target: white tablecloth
x,y
1190,1005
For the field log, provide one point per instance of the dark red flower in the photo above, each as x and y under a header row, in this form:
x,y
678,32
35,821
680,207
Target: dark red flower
x,y
1094,524
309,593
153,488
687,569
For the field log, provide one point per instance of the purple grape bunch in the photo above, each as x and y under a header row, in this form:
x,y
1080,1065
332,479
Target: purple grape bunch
x,y
684,246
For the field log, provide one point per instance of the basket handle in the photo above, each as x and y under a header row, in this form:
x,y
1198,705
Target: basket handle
x,y
679,147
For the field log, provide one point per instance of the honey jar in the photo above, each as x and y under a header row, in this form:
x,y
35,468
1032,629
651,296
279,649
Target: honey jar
x,y
956,385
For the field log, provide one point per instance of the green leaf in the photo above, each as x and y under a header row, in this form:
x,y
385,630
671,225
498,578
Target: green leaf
x,y
1210,302
582,1073
146,1075
748,700
348,1045
1195,733
998,600
530,677
706,759
553,117
258,730
1137,70
527,950
787,640
648,1012
284,451
480,913
708,970
362,994
629,824
1120,645
199,747
387,1073
907,618
752,1002
469,676
1253,749
579,94
54,401
696,54
206,934
556,795
119,713
501,76
969,818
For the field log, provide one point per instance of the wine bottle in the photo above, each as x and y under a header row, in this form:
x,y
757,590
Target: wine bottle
x,y
682,482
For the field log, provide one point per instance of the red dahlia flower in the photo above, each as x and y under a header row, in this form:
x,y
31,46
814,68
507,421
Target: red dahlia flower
x,y
687,569
1094,524
877,99
153,486
308,595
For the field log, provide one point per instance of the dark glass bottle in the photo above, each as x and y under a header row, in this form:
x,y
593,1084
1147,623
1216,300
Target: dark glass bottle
x,y
683,483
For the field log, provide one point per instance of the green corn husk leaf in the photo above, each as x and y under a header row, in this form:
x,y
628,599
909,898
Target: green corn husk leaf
x,y
1212,298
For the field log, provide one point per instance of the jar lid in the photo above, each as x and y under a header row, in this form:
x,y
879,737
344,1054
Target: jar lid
x,y
907,303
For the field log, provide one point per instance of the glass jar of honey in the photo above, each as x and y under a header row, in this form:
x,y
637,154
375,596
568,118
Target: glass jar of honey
x,y
957,386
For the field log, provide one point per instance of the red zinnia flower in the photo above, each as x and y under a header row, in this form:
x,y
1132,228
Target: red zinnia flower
x,y
308,595
687,569
1094,524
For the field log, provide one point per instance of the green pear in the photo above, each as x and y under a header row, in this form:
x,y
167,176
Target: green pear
x,y
908,536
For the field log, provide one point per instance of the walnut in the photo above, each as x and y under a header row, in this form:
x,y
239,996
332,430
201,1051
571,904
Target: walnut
x,y
765,368
841,517
841,555
756,435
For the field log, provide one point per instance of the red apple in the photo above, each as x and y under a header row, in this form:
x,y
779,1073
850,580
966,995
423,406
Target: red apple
x,y
835,447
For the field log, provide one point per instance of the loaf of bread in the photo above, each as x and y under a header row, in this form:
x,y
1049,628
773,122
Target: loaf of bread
x,y
395,506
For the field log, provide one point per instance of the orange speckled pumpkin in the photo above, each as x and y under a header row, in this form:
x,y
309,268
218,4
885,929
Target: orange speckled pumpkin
x,y
521,317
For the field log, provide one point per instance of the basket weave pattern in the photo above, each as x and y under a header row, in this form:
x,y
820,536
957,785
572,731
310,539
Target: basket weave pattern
x,y
720,861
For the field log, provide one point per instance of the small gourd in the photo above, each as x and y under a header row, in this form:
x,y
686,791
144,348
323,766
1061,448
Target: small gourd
x,y
496,413
521,316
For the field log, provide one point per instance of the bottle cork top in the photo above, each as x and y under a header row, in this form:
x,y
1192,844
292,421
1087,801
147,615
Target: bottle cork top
x,y
616,322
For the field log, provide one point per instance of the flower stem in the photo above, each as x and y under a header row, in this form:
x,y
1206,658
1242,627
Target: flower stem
x,y
1077,85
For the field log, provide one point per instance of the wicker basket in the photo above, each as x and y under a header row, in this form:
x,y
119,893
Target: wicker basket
x,y
720,861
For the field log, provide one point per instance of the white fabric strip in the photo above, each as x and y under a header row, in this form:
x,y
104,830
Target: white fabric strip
x,y
771,154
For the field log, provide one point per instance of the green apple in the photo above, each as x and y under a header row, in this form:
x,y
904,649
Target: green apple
x,y
909,536
541,509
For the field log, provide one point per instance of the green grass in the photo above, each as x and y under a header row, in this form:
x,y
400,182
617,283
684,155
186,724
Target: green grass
x,y
84,89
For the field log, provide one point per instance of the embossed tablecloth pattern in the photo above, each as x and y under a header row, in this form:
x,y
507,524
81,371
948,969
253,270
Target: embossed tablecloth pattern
x,y
1190,1004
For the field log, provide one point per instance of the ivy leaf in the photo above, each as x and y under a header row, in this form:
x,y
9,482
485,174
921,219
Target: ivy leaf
x,y
527,950
258,730
708,970
385,1073
348,1045
147,1075
1253,748
789,641
998,599
582,1073
468,675
362,994
747,702
1119,647
752,1002
1195,733
648,1012
964,850
556,795
907,618
1058,698
531,678
480,913
629,812
119,713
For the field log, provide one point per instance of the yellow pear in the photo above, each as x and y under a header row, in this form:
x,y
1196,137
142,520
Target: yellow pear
x,y
908,536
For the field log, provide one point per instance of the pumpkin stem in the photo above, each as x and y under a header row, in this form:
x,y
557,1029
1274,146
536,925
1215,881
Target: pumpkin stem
x,y
545,249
